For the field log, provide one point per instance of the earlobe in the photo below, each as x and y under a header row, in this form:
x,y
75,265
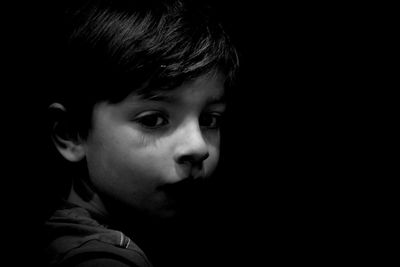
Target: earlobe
x,y
64,135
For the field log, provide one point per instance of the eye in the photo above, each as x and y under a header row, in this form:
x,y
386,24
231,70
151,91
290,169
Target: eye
x,y
211,120
152,119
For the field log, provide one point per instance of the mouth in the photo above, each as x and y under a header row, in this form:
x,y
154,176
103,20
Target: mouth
x,y
186,191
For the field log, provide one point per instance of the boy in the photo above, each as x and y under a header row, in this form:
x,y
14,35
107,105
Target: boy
x,y
138,115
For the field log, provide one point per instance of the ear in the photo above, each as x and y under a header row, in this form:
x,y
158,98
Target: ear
x,y
65,137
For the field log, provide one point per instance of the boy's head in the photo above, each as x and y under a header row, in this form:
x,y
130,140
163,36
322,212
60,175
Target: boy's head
x,y
110,49
141,98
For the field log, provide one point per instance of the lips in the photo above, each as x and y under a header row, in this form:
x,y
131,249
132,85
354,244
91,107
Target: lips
x,y
186,190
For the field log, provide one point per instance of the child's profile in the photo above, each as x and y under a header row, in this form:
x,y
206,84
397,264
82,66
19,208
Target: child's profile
x,y
137,115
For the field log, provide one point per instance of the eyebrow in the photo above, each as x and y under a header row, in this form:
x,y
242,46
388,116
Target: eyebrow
x,y
167,98
158,97
221,99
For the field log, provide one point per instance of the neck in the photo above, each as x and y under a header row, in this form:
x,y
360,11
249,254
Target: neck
x,y
81,194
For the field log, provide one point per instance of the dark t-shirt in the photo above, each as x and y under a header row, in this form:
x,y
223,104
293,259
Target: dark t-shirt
x,y
76,238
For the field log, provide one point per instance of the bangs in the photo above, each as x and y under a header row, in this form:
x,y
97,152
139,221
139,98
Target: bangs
x,y
151,46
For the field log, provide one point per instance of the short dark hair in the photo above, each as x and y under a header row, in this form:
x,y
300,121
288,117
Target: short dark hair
x,y
112,48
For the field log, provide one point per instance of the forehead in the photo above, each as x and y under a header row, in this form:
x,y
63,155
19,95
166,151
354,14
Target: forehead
x,y
209,87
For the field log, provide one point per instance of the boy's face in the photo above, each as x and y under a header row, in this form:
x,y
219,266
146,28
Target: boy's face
x,y
139,151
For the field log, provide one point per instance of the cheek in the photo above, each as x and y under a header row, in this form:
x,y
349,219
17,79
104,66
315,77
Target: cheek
x,y
116,160
212,161
128,178
211,164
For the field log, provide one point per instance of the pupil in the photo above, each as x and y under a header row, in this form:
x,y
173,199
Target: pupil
x,y
207,120
151,120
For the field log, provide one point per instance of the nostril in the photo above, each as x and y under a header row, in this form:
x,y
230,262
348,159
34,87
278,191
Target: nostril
x,y
193,158
205,156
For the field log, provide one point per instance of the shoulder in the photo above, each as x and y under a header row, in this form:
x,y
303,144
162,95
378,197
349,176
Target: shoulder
x,y
100,262
98,253
74,238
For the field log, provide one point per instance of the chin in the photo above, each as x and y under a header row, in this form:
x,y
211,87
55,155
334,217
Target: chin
x,y
164,217
168,214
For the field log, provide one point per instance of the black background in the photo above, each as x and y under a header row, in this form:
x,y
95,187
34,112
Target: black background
x,y
304,176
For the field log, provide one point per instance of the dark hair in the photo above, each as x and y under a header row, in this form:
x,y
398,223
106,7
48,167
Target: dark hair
x,y
112,48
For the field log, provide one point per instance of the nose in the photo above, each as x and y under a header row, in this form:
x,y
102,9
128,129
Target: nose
x,y
191,147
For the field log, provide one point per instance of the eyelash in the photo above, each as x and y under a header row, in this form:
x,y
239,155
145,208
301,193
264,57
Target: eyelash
x,y
215,120
154,120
